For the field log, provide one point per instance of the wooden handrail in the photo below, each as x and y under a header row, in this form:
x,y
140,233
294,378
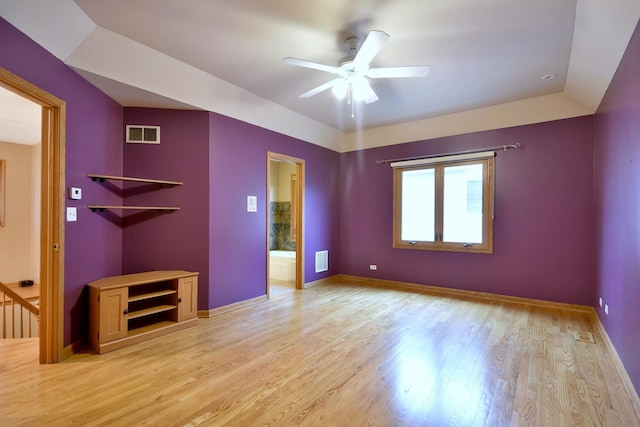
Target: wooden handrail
x,y
19,299
9,295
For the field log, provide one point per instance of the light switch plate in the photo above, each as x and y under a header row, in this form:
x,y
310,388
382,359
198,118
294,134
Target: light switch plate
x,y
252,203
72,214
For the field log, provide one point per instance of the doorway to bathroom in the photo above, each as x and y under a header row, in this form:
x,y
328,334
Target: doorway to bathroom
x,y
285,204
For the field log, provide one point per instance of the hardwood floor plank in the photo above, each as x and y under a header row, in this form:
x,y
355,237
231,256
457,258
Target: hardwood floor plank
x,y
336,355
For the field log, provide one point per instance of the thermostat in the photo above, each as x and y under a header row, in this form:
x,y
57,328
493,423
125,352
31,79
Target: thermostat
x,y
75,193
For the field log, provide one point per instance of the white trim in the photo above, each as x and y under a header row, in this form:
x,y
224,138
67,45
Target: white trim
x,y
130,139
441,159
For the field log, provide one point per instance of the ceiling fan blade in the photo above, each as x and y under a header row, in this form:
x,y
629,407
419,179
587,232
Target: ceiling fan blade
x,y
309,64
362,91
371,46
321,88
393,72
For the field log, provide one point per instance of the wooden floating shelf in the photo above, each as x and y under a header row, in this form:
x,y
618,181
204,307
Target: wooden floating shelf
x,y
103,178
101,208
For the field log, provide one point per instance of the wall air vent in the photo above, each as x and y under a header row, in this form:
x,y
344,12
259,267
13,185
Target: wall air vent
x,y
322,261
138,134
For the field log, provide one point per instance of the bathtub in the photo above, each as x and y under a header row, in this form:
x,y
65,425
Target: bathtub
x,y
282,266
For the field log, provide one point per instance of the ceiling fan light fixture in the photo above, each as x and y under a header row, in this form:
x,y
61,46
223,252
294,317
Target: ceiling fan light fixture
x,y
358,89
340,89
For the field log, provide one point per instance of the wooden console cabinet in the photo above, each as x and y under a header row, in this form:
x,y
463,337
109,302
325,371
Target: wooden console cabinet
x,y
132,308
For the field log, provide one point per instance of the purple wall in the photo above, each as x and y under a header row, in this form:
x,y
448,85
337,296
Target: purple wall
x,y
617,195
221,161
93,145
238,239
542,231
176,241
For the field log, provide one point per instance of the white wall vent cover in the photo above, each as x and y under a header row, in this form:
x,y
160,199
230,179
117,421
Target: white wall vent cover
x,y
138,134
322,261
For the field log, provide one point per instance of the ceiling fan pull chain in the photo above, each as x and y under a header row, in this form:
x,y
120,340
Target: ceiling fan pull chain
x,y
353,112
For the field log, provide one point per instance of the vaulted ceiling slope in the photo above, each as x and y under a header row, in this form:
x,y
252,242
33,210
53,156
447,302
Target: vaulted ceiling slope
x,y
487,60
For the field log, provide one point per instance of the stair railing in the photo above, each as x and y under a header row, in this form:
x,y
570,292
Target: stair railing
x,y
17,303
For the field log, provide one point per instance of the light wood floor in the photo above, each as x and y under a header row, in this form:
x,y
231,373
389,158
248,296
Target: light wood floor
x,y
335,355
278,289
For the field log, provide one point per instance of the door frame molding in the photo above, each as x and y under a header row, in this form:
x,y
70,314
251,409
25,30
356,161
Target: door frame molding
x,y
300,172
51,327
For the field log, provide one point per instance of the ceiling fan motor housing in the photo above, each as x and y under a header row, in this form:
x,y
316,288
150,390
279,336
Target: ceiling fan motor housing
x,y
352,43
349,69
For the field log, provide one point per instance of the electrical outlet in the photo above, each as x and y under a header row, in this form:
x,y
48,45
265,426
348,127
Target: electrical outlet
x,y
600,302
373,267
606,309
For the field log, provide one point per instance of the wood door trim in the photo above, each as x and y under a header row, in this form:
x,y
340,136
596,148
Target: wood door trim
x,y
52,218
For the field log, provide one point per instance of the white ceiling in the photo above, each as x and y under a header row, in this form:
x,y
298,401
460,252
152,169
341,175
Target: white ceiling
x,y
487,59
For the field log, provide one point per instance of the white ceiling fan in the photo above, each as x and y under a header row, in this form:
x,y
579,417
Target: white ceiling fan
x,y
354,69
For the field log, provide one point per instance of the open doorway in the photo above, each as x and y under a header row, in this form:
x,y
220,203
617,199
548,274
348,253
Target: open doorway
x,y
20,167
51,225
285,196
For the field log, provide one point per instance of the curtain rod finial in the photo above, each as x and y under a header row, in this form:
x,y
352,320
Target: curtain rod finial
x,y
507,146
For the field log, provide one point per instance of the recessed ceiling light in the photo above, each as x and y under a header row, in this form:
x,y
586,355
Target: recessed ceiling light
x,y
549,76
336,124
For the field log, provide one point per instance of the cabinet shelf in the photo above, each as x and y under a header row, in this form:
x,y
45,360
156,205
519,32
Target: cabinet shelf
x,y
103,178
149,311
101,208
150,295
136,332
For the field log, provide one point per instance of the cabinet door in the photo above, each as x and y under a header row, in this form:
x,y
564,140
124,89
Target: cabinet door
x,y
113,320
187,298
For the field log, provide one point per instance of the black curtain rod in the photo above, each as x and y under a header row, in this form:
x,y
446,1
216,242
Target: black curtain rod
x,y
477,150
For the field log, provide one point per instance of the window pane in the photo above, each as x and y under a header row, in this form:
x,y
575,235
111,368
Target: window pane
x,y
418,205
462,209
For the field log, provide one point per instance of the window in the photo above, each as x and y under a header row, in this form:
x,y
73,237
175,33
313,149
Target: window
x,y
444,204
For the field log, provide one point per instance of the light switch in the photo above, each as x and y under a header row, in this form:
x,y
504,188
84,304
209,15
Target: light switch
x,y
252,203
72,214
